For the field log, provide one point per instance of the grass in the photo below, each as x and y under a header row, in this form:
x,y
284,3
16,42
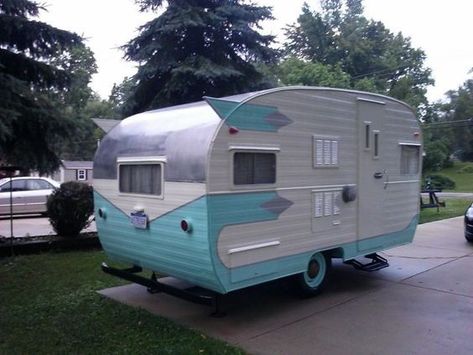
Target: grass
x,y
453,208
462,174
49,304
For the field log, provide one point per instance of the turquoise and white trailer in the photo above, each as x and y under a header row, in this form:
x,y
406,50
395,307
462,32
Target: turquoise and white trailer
x,y
231,192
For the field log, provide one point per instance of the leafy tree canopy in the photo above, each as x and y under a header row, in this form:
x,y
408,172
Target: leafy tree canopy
x,y
32,83
197,48
80,104
458,112
294,71
374,58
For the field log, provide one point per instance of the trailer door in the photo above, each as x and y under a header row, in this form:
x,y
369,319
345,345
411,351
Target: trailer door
x,y
371,169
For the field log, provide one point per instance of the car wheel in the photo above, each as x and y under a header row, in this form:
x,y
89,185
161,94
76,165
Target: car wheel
x,y
312,281
469,238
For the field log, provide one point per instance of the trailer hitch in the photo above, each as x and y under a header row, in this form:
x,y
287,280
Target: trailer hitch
x,y
192,294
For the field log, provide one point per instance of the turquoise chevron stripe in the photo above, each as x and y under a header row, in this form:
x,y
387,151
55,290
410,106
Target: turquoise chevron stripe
x,y
247,116
253,118
231,209
228,209
163,247
222,107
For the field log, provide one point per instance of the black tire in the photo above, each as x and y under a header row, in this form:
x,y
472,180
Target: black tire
x,y
469,238
312,281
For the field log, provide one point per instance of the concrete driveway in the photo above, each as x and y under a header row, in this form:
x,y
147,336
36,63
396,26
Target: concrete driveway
x,y
421,304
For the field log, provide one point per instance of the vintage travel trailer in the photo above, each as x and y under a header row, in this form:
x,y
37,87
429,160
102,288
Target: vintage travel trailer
x,y
231,192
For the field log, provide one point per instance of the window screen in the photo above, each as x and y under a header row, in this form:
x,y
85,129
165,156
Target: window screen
x,y
44,185
140,178
254,168
410,155
38,185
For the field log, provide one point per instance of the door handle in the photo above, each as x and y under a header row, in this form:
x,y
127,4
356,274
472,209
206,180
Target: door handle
x,y
378,175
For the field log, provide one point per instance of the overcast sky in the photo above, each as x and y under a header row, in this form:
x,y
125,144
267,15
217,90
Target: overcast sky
x,y
441,28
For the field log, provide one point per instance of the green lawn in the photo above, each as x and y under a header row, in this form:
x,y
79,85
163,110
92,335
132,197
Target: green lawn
x,y
462,174
453,208
49,304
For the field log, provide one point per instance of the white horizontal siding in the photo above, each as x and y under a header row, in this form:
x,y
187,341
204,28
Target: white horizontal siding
x,y
176,194
312,113
319,113
292,231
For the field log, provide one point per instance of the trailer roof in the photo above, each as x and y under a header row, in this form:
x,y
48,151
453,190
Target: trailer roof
x,y
181,133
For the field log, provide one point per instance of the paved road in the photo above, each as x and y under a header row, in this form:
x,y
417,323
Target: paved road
x,y
30,226
421,304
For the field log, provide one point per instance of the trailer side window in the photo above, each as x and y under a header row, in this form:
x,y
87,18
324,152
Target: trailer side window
x,y
254,168
143,179
410,159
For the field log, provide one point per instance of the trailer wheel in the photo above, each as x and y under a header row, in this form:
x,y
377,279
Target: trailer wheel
x,y
312,281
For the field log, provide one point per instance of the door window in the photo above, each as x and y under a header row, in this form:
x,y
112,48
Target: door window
x,y
38,184
18,185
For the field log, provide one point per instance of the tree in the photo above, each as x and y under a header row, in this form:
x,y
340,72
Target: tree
x,y
293,71
32,126
374,58
121,96
197,48
76,102
458,112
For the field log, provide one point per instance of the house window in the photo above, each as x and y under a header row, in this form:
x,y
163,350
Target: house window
x,y
410,159
81,174
254,168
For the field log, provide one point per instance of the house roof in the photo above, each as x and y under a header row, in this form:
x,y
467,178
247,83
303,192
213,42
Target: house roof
x,y
105,124
69,164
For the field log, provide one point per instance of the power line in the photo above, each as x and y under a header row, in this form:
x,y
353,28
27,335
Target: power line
x,y
455,124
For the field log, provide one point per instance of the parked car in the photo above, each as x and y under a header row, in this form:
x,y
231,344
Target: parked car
x,y
29,194
469,224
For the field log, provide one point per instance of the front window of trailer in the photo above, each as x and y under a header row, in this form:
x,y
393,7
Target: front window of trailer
x,y
140,178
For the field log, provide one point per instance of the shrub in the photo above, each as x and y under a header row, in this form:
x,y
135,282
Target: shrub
x,y
70,207
439,182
